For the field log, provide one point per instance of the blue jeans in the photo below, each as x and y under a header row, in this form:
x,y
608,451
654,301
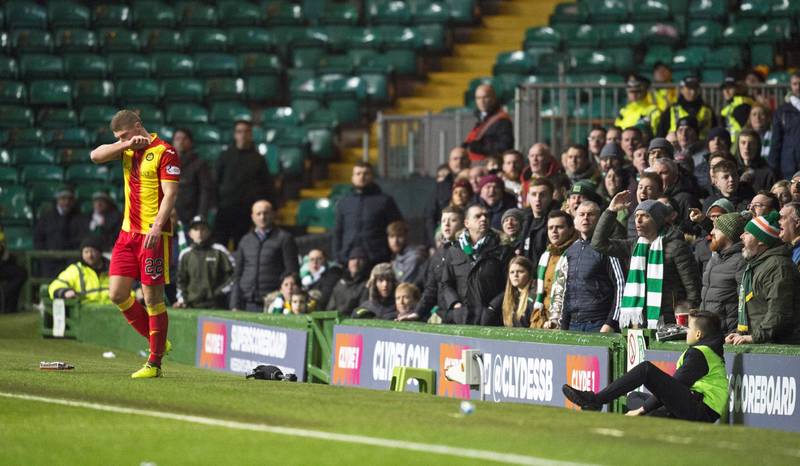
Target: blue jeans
x,y
593,326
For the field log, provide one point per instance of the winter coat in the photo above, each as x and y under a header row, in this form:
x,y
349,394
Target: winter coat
x,y
594,286
259,265
205,275
349,292
784,153
721,279
681,281
326,283
90,285
473,281
534,237
361,220
759,175
433,214
496,139
196,188
740,199
409,265
684,193
773,312
431,291
59,232
242,179
382,309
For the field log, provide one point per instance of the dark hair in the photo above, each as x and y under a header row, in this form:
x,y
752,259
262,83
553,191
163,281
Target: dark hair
x,y
775,203
453,210
397,228
623,175
242,122
580,147
654,178
635,129
561,214
294,276
596,128
363,164
725,166
185,131
541,181
707,322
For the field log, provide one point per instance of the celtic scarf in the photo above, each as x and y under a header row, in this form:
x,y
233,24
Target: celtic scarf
x,y
541,271
745,295
644,283
466,245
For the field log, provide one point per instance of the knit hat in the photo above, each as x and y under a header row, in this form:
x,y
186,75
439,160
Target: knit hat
x,y
655,209
357,253
766,229
723,204
489,179
689,121
92,241
612,151
462,183
719,132
663,144
796,175
516,213
587,190
731,225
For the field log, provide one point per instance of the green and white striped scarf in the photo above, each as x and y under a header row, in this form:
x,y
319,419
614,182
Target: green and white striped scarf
x,y
541,270
644,284
465,243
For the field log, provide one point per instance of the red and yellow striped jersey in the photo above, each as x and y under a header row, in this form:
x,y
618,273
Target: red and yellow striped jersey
x,y
144,171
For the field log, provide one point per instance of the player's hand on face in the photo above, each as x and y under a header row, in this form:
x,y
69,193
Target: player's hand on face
x,y
138,142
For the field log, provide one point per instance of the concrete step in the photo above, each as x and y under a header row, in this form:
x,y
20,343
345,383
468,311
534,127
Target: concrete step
x,y
475,66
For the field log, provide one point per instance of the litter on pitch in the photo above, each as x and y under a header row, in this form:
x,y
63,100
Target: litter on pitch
x,y
109,355
55,366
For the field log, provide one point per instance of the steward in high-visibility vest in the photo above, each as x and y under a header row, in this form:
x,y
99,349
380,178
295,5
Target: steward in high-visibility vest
x,y
697,391
690,103
87,279
737,107
639,110
665,96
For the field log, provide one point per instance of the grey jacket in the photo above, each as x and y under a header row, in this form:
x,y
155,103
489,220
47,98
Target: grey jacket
x,y
721,279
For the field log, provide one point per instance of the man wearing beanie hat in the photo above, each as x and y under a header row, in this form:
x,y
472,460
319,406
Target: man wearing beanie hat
x,y
205,270
660,148
769,301
87,279
723,273
493,197
658,258
705,223
582,191
611,156
511,223
690,103
719,140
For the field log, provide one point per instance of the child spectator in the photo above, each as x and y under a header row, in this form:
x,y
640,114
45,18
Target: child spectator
x,y
205,270
300,303
380,288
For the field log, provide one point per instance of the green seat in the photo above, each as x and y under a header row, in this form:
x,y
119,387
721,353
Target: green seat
x,y
84,191
8,176
205,40
85,65
404,61
368,38
210,152
24,14
379,90
15,116
36,156
224,88
383,63
56,118
97,115
430,11
401,375
14,208
280,117
303,109
344,64
40,66
129,65
585,36
216,64
754,8
607,11
31,41
625,34
8,68
313,88
161,40
708,9
93,92
587,60
131,91
164,132
70,155
26,137
651,10
291,159
622,58
514,62
263,88
397,37
102,135
69,137
316,213
773,32
340,37
69,15
182,90
347,110
19,238
87,173
235,13
50,92
251,39
172,65
119,40
42,194
6,156
206,134
41,173
344,14
775,77
153,14
784,9
432,38
196,14
307,57
340,86
726,57
576,13
542,37
762,54
661,34
388,12
704,32
320,141
12,92
689,58
186,114
150,113
282,13
323,118
286,136
226,113
462,12
260,64
738,32
713,75
340,190
75,40
110,15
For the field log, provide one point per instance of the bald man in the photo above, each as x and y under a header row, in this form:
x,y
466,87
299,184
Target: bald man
x,y
493,134
264,255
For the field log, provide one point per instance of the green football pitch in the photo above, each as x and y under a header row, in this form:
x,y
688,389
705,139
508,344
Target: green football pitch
x,y
95,414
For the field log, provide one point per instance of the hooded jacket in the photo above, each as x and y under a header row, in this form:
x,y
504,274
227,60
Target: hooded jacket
x,y
721,279
361,220
349,291
205,275
774,310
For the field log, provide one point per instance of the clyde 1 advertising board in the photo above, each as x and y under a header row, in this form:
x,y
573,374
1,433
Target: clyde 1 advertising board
x,y
515,371
762,387
239,346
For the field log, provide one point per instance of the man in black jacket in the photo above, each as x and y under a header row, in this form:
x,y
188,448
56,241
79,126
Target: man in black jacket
x,y
540,200
723,273
457,162
60,228
196,188
264,255
474,271
784,151
351,290
362,217
678,187
242,179
452,221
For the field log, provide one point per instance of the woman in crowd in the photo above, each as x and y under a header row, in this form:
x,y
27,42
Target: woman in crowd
x,y
515,306
783,190
760,120
280,301
381,288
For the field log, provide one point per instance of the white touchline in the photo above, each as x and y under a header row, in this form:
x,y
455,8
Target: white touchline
x,y
508,458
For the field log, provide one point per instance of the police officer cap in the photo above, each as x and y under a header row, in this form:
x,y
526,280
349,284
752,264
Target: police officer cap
x,y
689,121
690,81
637,82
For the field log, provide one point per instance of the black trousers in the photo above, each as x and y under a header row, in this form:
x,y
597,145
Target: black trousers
x,y
678,400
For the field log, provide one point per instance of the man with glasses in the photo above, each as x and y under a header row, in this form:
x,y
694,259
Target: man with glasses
x,y
595,142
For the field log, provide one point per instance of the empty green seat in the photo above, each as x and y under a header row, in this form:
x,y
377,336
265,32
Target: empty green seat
x,y
75,40
607,10
168,65
514,62
291,159
708,9
625,34
337,64
50,92
713,75
370,38
69,137
19,238
216,64
226,113
112,15
35,155
784,9
8,176
280,117
320,142
772,32
377,87
97,115
722,58
119,40
263,88
224,88
762,54
40,66
316,213
235,13
754,8
129,65
93,92
210,152
26,137
182,90
41,173
651,10
430,11
585,36
323,118
186,114
286,136
462,12
704,32
85,65
84,191
8,68
31,41
656,54
250,39
164,132
303,108
7,156
570,13
388,12
14,208
345,14
102,135
153,14
542,37
24,14
206,134
87,173
196,14
622,58
432,38
738,32
138,91
12,92
689,58
15,116
205,40
42,194
281,12
161,40
588,60
56,118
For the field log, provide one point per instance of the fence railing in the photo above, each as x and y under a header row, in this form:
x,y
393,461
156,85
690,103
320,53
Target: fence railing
x,y
555,113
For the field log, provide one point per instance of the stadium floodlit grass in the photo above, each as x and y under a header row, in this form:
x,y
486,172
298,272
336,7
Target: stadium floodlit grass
x,y
34,432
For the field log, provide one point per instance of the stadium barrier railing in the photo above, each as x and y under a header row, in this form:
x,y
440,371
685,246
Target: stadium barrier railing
x,y
26,260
